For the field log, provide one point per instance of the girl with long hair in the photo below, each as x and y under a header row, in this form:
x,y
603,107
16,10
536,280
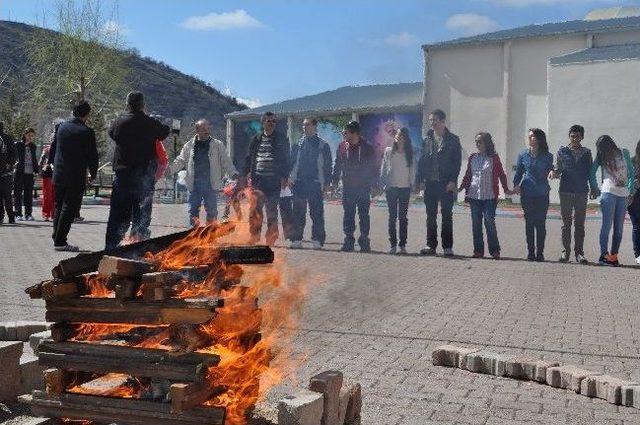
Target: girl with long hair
x,y
481,181
397,174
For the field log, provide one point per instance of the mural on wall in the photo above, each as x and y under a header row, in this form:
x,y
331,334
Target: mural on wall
x,y
329,129
379,129
244,131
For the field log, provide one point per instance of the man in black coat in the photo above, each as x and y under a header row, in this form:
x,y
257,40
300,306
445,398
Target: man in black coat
x,y
134,162
73,151
7,162
24,177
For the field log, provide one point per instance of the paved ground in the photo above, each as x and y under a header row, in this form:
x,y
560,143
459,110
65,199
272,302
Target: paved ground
x,y
378,317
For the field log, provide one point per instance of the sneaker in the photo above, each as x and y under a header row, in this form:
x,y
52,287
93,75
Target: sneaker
x,y
564,257
295,245
540,258
78,219
428,251
393,250
46,219
19,218
638,260
531,257
403,251
347,247
365,247
67,248
612,260
495,255
12,221
448,252
29,218
316,245
478,255
581,259
603,259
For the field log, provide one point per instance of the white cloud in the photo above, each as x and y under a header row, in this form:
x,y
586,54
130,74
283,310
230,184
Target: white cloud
x,y
226,90
238,19
114,28
471,23
251,103
402,39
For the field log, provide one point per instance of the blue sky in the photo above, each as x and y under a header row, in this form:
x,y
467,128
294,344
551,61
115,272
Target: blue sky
x,y
265,51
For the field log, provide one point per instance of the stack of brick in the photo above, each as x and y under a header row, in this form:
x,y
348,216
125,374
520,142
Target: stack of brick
x,y
326,402
591,384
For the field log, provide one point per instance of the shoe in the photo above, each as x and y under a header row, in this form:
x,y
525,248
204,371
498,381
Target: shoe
x,y
428,251
448,252
403,251
603,259
581,259
296,245
67,248
365,247
78,219
540,258
12,221
393,250
564,257
531,257
316,245
495,255
478,255
29,218
19,218
638,260
612,260
347,247
46,218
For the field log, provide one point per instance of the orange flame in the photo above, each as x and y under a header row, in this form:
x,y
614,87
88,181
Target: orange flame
x,y
97,286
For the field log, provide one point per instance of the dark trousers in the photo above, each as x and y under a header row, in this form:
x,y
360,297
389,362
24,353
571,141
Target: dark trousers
x,y
634,213
484,211
285,204
398,204
356,198
68,201
308,193
202,193
131,202
6,201
23,191
435,193
573,207
264,201
535,217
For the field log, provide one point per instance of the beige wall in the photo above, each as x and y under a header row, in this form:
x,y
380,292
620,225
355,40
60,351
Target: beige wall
x,y
612,39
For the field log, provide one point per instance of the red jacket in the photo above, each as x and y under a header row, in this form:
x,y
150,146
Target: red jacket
x,y
162,160
498,176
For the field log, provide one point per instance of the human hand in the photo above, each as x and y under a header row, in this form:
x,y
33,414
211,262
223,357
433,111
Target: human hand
x,y
516,190
594,194
553,175
451,187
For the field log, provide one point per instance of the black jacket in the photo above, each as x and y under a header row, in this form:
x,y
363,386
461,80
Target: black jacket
x,y
7,154
282,165
135,134
73,151
20,154
448,159
356,165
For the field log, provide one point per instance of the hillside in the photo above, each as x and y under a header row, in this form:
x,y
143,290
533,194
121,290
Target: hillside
x,y
168,92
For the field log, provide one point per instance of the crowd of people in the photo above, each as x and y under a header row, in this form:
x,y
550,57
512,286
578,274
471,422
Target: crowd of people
x,y
284,180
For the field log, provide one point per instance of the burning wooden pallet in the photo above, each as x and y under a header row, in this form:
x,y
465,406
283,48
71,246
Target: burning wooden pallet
x,y
129,343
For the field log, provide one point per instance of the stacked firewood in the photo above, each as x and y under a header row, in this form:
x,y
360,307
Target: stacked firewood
x,y
118,321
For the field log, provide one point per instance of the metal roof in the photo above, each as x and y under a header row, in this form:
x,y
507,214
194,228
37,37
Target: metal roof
x,y
359,99
600,54
544,30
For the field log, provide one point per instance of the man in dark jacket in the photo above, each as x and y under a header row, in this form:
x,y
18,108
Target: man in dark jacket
x,y
24,177
438,171
7,162
73,151
267,165
356,166
134,163
310,175
573,167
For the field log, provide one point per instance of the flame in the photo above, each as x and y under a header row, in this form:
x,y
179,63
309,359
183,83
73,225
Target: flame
x,y
111,385
97,286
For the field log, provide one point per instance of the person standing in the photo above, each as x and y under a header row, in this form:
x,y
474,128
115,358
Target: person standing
x,y
531,182
617,184
207,163
397,174
573,165
73,151
438,171
310,177
481,181
46,172
634,204
24,177
355,165
134,163
7,162
267,164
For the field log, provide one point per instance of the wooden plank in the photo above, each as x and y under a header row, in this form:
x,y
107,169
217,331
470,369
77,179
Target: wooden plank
x,y
124,287
123,267
188,396
110,310
258,254
129,411
58,380
138,362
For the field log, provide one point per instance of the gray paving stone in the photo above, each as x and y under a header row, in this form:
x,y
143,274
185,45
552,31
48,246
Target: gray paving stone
x,y
528,369
450,355
303,408
568,377
605,387
329,384
36,338
486,362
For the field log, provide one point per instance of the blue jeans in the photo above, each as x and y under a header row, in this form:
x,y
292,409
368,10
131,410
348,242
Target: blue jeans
x,y
203,194
535,218
634,213
356,198
311,193
484,210
398,203
613,212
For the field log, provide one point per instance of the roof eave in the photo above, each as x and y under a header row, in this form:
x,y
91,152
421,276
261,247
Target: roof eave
x,y
329,112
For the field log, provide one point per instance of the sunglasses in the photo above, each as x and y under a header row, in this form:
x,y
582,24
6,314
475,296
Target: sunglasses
x,y
270,121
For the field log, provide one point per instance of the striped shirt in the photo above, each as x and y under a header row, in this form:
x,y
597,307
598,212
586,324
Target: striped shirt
x,y
481,187
265,157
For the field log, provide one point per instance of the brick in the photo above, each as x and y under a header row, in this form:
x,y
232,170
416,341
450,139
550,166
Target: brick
x,y
486,362
568,377
329,384
8,331
24,329
629,394
605,387
343,403
10,352
30,374
528,369
303,408
354,407
450,355
35,339
123,267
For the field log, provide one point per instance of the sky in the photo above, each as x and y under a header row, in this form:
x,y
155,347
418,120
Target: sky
x,y
265,51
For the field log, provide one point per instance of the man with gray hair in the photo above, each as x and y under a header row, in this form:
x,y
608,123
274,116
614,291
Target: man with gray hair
x,y
207,163
134,163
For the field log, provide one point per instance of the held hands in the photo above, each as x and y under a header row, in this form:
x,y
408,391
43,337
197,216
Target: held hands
x,y
451,187
594,194
553,175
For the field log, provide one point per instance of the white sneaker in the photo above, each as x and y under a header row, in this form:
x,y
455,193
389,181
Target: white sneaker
x,y
638,260
29,218
19,218
296,245
316,244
